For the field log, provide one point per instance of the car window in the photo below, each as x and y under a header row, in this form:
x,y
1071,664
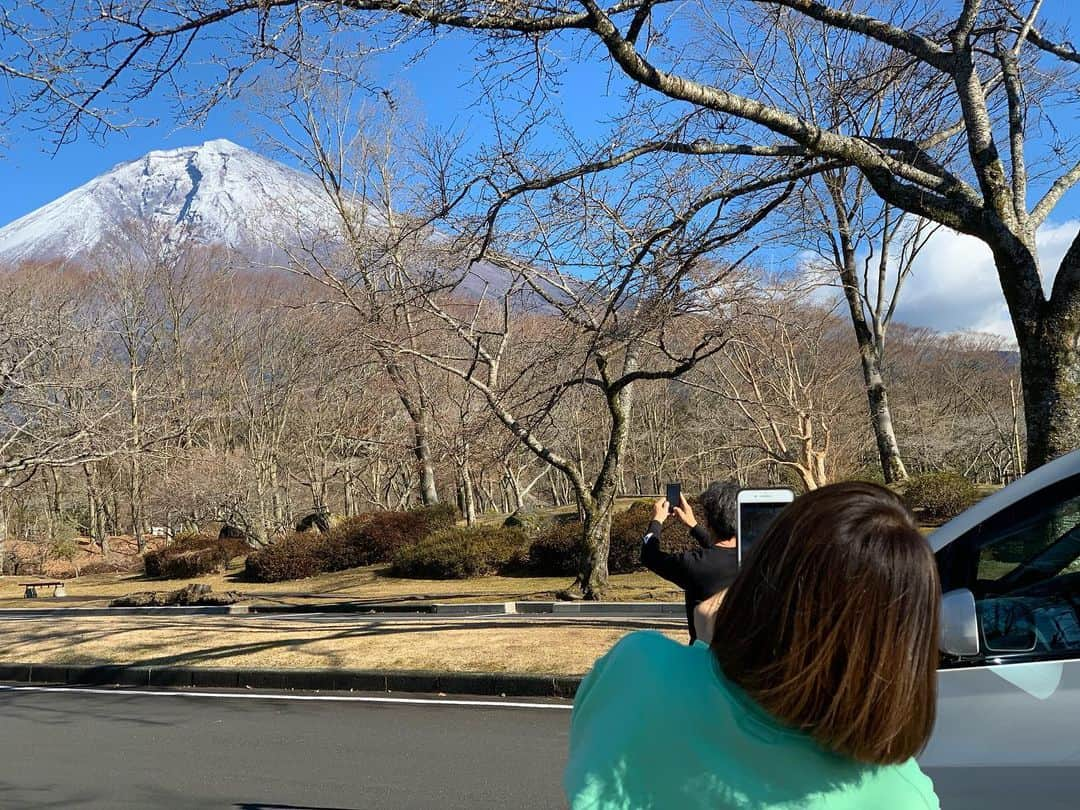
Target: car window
x,y
1027,577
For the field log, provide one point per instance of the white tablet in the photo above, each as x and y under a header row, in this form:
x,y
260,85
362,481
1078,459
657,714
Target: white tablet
x,y
757,510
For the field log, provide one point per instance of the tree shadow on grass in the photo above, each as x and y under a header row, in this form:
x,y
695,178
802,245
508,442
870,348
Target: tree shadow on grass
x,y
57,638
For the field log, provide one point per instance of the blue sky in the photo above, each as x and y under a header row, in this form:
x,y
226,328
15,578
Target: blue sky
x,y
33,172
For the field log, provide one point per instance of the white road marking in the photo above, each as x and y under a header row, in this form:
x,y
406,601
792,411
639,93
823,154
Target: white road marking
x,y
253,696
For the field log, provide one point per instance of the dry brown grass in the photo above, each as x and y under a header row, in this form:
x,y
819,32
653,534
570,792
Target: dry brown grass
x,y
357,584
556,647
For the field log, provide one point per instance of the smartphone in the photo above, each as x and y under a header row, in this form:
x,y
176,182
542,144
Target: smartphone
x,y
758,508
674,495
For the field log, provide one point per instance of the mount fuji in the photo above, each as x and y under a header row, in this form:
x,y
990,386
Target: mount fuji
x,y
218,193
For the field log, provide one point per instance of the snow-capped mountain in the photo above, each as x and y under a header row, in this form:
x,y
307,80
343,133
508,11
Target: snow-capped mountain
x,y
219,193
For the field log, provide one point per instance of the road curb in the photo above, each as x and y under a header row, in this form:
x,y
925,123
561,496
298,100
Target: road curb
x,y
308,680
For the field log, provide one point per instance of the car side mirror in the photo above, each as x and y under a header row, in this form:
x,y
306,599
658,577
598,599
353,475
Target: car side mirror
x,y
959,623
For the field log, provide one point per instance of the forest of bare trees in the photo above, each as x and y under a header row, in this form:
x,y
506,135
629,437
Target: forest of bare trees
x,y
184,391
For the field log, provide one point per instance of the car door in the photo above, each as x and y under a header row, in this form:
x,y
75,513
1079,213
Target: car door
x,y
1008,727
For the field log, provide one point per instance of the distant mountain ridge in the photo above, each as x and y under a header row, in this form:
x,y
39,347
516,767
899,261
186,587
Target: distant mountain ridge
x,y
217,194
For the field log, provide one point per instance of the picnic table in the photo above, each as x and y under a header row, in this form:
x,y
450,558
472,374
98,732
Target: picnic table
x,y
31,588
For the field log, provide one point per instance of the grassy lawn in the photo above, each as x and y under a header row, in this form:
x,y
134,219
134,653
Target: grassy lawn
x,y
453,645
357,584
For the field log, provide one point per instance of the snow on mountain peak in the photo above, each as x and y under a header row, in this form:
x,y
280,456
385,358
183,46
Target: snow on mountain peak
x,y
217,192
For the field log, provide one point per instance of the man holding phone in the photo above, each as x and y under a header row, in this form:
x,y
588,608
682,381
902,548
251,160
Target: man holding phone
x,y
709,569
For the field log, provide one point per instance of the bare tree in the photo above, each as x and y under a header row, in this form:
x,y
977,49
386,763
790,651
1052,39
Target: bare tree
x,y
49,374
871,248
139,286
362,255
784,376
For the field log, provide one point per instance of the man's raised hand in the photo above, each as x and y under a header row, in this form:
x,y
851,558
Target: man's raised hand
x,y
685,513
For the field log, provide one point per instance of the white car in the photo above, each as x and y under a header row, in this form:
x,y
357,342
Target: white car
x,y
1008,727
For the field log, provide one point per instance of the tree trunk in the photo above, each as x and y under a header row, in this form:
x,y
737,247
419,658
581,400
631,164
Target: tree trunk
x,y
276,498
468,495
1050,374
50,516
96,510
593,579
417,411
1017,440
598,504
871,353
518,499
349,487
55,506
892,464
3,536
429,494
135,494
263,517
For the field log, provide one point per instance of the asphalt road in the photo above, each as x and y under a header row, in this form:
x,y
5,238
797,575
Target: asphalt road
x,y
82,749
111,749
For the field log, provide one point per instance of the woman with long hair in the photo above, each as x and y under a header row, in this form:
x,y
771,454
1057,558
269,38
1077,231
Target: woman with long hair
x,y
817,690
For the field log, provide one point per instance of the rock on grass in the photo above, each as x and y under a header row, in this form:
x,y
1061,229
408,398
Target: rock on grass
x,y
194,594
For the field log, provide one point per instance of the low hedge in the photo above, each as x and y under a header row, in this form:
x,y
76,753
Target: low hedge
x,y
462,552
368,539
558,551
379,538
192,555
294,556
533,524
438,516
939,496
627,530
115,565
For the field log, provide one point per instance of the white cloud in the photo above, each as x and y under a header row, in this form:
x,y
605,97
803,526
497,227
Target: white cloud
x,y
954,286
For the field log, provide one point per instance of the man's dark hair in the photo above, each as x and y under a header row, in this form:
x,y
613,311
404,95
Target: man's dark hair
x,y
721,508
855,667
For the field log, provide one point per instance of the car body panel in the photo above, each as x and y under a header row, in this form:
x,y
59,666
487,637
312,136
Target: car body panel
x,y
1008,732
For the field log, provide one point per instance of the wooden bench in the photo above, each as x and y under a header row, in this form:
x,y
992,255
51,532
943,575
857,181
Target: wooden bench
x,y
31,588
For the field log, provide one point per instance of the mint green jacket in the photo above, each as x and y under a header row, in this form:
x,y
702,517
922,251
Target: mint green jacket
x,y
656,726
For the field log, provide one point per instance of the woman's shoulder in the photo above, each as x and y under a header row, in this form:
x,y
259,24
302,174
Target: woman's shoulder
x,y
653,657
654,647
903,786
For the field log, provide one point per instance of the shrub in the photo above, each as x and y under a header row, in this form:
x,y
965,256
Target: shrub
x,y
940,495
192,555
438,516
379,537
294,556
364,540
115,565
461,552
532,523
557,551
627,529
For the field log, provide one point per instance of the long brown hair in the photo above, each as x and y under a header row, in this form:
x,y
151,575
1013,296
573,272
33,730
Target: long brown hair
x,y
832,624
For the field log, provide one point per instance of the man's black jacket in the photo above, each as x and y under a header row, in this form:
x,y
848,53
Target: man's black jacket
x,y
702,572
